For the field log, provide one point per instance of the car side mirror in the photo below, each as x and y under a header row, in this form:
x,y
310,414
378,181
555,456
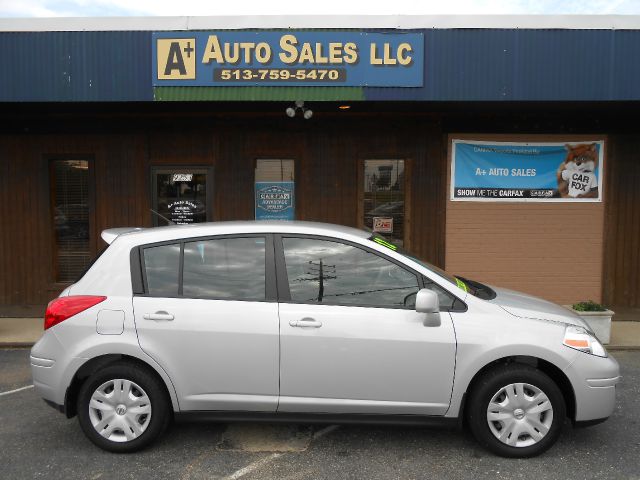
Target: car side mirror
x,y
427,302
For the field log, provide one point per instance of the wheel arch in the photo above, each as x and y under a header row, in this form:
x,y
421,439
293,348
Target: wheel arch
x,y
102,361
555,373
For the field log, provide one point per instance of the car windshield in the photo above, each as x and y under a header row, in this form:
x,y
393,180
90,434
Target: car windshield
x,y
474,288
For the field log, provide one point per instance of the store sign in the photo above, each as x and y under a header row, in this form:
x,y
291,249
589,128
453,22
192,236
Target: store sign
x,y
383,224
287,58
182,177
183,212
275,201
534,172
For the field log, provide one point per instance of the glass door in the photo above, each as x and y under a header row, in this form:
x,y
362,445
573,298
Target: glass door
x,y
182,195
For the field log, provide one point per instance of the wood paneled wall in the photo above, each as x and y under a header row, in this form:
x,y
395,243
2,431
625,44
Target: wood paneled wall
x,y
621,279
326,154
26,236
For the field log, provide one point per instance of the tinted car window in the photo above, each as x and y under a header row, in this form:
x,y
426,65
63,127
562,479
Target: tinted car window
x,y
225,268
162,266
327,272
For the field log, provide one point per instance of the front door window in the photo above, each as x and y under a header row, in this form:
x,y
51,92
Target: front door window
x,y
332,273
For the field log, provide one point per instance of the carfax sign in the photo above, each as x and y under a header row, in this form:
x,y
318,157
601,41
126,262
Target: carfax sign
x,y
538,172
275,201
303,58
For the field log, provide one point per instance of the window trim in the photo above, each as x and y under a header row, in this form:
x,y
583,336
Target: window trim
x,y
137,263
283,277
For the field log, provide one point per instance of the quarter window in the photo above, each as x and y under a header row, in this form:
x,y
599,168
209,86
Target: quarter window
x,y
332,273
225,268
162,266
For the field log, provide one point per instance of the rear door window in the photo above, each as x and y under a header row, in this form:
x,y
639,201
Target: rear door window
x,y
227,268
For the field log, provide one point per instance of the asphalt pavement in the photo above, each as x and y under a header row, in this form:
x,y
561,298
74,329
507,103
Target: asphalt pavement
x,y
38,442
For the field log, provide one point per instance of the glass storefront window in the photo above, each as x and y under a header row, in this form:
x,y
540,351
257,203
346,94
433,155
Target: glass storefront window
x,y
70,212
181,195
384,197
275,189
274,170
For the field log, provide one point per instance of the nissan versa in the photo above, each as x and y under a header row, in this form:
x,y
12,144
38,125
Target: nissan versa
x,y
309,322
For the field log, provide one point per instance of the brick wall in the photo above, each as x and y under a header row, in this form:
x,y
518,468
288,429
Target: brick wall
x,y
551,250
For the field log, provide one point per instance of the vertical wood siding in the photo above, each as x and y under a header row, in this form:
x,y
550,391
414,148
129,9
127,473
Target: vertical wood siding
x,y
326,155
622,223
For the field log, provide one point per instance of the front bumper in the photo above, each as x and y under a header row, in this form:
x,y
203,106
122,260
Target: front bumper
x,y
594,381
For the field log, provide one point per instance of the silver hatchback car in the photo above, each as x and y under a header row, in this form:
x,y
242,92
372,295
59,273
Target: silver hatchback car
x,y
309,322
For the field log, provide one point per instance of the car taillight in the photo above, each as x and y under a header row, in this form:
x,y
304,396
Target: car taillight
x,y
62,308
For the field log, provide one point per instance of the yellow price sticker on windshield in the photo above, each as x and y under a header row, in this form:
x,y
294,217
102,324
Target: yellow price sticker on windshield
x,y
384,243
462,285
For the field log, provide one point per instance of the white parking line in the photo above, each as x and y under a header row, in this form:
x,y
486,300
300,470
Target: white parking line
x,y
325,431
16,390
253,466
266,460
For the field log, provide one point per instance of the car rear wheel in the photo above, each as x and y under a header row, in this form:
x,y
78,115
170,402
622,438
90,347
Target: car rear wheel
x,y
516,411
123,408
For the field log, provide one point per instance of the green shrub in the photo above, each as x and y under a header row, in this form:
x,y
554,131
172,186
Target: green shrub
x,y
589,306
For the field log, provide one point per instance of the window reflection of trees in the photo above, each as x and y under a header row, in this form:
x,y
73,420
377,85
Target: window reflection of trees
x,y
328,272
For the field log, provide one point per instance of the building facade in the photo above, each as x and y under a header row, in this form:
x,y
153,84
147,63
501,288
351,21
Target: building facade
x,y
503,149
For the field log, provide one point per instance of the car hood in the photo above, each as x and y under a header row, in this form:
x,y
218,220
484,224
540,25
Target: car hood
x,y
527,306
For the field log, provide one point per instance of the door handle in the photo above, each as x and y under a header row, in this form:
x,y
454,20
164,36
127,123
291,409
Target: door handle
x,y
306,322
158,316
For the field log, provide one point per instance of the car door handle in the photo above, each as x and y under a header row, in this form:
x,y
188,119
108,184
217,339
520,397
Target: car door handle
x,y
306,322
158,316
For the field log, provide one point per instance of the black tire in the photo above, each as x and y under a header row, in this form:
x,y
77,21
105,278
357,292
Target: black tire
x,y
489,385
158,399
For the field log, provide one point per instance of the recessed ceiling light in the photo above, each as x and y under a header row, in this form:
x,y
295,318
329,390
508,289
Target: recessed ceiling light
x,y
344,107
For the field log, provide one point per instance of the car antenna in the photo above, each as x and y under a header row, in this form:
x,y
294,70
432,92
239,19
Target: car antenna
x,y
163,217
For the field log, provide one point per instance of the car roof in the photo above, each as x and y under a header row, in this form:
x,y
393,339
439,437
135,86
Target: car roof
x,y
136,235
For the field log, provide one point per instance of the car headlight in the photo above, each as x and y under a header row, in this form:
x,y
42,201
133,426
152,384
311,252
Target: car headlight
x,y
581,339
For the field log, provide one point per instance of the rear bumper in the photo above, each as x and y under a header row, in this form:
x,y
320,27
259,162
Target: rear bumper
x,y
589,423
52,369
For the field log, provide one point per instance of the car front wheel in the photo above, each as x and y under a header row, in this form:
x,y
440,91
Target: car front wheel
x,y
516,411
123,408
